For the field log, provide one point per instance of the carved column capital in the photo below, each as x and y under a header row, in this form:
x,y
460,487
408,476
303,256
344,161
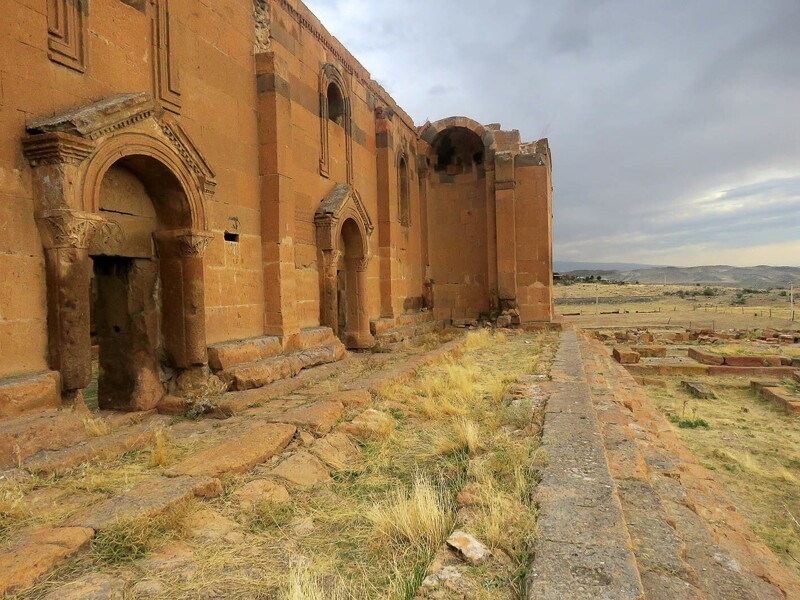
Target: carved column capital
x,y
362,263
184,242
56,148
331,258
64,228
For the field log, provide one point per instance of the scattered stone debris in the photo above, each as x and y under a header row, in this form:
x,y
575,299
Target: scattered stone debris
x,y
699,390
468,547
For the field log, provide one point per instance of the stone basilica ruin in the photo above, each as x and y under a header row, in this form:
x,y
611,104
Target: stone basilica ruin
x,y
193,187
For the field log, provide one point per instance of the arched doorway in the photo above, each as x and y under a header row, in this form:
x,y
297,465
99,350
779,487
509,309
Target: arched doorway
x,y
343,229
138,197
120,194
350,303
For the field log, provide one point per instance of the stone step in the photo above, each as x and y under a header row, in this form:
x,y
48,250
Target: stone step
x,y
31,392
229,354
415,318
409,331
239,454
147,499
24,436
36,552
107,447
263,372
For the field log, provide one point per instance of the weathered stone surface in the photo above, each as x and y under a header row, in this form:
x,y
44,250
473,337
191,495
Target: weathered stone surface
x,y
149,588
369,424
172,405
208,525
706,358
37,552
625,356
55,462
336,450
20,394
28,434
229,354
650,351
261,490
352,398
753,361
698,390
302,469
97,586
145,500
319,417
242,452
468,547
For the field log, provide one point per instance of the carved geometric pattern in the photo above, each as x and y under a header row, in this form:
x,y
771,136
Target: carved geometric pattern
x,y
66,33
165,67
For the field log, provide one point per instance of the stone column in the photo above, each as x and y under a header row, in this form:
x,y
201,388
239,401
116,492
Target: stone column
x,y
328,305
183,296
359,335
505,216
66,235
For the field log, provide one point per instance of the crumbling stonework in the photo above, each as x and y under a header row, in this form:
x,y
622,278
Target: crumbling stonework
x,y
177,176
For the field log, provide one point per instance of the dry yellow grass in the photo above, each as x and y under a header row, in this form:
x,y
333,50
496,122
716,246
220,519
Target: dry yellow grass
x,y
159,454
421,517
96,426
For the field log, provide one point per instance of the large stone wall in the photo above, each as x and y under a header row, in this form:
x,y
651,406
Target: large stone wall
x,y
311,186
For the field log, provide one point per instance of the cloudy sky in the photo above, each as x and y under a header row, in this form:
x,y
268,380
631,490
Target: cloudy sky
x,y
674,126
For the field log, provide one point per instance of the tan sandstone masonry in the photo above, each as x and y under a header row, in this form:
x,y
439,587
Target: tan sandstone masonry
x,y
179,176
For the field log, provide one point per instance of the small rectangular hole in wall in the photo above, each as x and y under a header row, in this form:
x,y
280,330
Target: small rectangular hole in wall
x,y
231,237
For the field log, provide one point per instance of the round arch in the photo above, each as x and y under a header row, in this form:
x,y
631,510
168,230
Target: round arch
x,y
173,186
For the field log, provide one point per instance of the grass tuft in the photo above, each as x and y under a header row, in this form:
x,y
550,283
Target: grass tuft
x,y
420,518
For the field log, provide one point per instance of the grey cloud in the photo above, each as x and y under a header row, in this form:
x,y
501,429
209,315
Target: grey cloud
x,y
650,106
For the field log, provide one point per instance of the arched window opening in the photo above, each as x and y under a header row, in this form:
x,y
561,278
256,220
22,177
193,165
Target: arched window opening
x,y
335,104
457,150
405,209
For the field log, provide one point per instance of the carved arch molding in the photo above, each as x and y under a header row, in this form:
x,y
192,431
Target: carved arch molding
x,y
69,155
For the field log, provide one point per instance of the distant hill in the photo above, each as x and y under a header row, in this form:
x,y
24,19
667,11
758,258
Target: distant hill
x,y
761,276
562,266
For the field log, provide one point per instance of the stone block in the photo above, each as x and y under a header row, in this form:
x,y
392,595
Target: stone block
x,y
625,356
36,552
753,361
240,453
650,351
229,354
706,358
319,417
21,394
698,390
302,469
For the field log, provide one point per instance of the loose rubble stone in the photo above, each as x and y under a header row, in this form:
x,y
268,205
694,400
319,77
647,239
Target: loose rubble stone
x,y
369,424
698,390
261,490
302,469
336,450
470,549
352,398
625,356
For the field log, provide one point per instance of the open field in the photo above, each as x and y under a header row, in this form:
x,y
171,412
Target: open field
x,y
673,305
